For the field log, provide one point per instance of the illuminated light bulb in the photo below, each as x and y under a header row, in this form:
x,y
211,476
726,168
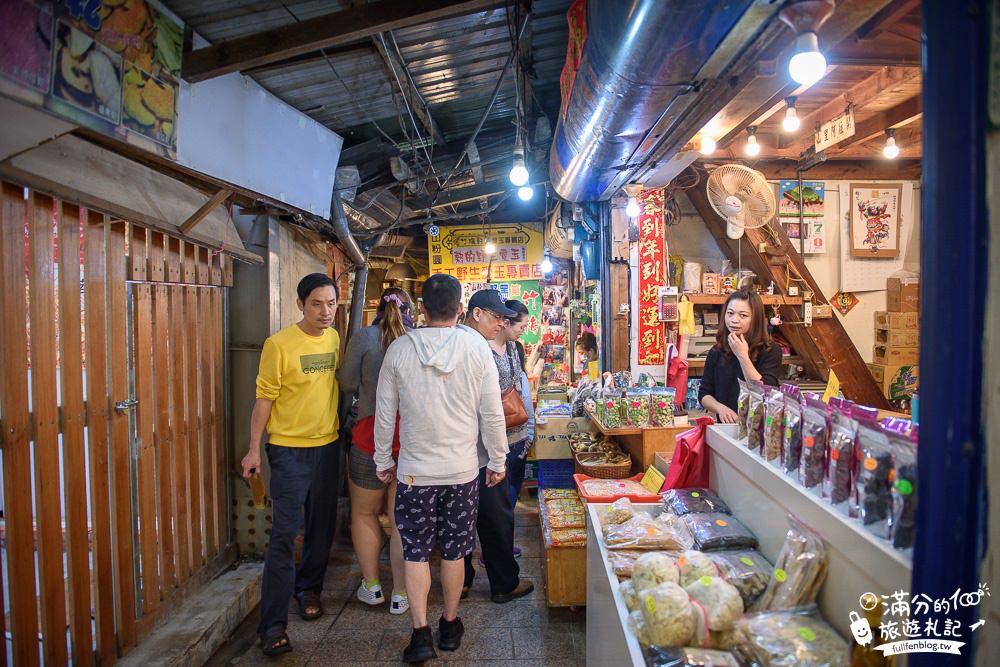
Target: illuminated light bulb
x,y
632,208
790,122
808,65
712,127
526,192
518,173
891,150
707,146
489,248
546,265
752,148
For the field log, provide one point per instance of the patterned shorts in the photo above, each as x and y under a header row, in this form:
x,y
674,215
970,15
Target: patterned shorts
x,y
442,515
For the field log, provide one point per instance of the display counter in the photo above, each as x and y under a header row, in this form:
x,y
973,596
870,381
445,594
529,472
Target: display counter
x,y
642,444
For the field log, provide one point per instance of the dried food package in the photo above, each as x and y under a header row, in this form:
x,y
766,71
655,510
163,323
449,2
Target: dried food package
x,y
644,532
904,488
793,638
693,565
627,590
637,624
696,500
623,560
774,408
603,488
667,612
791,437
568,536
863,416
721,600
843,429
567,520
661,406
798,571
552,494
614,408
815,437
652,569
746,569
755,415
621,379
715,531
620,511
873,486
637,407
564,506
743,408
690,656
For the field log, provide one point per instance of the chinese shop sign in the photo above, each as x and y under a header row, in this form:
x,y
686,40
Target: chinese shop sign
x,y
458,251
527,292
652,276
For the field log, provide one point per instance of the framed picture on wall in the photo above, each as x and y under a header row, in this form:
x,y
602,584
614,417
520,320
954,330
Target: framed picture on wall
x,y
874,221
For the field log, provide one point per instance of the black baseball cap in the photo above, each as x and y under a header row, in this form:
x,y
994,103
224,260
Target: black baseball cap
x,y
489,299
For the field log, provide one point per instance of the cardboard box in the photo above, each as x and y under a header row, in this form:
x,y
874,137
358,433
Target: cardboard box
x,y
897,381
902,297
661,461
552,435
898,337
551,394
895,356
887,320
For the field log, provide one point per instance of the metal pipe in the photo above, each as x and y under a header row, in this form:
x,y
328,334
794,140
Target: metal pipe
x,y
489,106
343,229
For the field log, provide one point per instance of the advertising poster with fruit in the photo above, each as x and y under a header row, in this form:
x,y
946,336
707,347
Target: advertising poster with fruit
x,y
527,292
109,65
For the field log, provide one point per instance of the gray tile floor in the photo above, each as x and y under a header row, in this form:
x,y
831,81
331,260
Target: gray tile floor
x,y
521,633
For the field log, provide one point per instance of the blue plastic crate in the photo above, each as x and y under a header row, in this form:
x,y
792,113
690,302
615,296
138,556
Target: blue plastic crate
x,y
556,474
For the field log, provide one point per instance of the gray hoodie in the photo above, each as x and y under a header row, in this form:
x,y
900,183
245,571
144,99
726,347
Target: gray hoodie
x,y
444,385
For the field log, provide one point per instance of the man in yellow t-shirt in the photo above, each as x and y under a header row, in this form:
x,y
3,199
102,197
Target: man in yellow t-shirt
x,y
296,402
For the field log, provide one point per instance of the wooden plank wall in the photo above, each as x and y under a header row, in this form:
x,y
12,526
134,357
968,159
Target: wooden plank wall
x,y
117,514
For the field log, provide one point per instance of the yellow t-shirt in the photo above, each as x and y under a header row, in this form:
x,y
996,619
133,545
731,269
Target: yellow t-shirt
x,y
298,372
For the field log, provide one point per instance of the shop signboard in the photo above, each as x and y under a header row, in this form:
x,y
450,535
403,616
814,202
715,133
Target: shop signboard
x,y
458,251
527,292
835,130
652,276
111,66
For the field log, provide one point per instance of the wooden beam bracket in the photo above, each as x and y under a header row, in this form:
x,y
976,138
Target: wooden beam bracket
x,y
205,209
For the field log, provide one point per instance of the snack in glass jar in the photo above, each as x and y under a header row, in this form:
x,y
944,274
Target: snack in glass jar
x,y
743,405
716,531
755,415
661,406
694,500
815,438
774,407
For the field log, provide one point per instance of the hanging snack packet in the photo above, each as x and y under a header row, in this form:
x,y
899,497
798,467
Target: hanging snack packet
x,y
874,479
815,437
843,429
744,407
791,437
755,414
862,415
904,487
661,406
774,408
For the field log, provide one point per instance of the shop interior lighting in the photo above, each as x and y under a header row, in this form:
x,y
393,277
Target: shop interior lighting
x,y
489,248
525,192
790,123
632,207
891,150
519,173
546,265
805,17
752,148
707,145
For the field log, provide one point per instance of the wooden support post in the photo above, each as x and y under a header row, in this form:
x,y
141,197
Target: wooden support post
x,y
205,209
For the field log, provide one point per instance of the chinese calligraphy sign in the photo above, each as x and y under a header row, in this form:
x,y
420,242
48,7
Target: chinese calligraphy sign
x,y
652,275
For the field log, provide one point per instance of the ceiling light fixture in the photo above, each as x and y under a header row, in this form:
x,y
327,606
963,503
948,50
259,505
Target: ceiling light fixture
x,y
546,265
489,248
707,145
632,209
891,150
806,17
518,173
790,123
526,192
752,148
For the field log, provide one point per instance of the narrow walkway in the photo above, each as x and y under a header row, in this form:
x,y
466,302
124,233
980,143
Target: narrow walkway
x,y
521,633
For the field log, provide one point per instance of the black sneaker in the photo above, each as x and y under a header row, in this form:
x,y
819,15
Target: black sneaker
x,y
450,634
421,646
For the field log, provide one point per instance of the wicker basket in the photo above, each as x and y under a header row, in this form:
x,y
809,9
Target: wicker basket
x,y
604,470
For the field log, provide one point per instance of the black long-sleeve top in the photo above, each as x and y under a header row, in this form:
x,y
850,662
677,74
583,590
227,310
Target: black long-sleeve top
x,y
722,371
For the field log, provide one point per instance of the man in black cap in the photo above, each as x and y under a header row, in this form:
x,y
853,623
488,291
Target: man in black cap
x,y
487,316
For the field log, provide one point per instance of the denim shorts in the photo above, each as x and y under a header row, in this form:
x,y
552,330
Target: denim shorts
x,y
444,515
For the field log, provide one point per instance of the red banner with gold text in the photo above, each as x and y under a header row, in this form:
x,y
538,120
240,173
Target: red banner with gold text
x,y
652,275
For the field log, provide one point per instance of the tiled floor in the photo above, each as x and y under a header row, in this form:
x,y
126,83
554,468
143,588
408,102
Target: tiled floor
x,y
521,633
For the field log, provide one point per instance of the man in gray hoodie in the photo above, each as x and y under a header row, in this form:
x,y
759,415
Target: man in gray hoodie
x,y
444,385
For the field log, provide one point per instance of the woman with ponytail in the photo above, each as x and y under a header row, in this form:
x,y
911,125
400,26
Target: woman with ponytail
x,y
358,374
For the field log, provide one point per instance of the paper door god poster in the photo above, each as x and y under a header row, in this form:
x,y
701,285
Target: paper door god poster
x,y
652,276
875,220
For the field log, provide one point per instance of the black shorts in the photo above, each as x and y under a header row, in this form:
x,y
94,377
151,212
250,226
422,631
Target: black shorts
x,y
443,515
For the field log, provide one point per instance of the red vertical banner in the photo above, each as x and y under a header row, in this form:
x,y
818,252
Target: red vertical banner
x,y
652,275
576,19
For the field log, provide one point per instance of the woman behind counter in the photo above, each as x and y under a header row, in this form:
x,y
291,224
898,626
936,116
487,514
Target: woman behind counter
x,y
743,351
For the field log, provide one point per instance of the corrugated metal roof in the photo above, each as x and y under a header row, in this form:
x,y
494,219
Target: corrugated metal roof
x,y
454,62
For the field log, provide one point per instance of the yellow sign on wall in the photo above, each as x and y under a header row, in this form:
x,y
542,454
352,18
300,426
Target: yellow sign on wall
x,y
458,251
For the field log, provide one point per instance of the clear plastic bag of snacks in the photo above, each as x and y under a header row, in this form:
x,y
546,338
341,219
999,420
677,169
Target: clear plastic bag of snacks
x,y
745,569
693,565
652,569
755,415
843,430
661,406
716,531
874,479
774,408
791,437
815,438
690,501
798,572
743,405
792,638
637,407
664,533
721,600
904,489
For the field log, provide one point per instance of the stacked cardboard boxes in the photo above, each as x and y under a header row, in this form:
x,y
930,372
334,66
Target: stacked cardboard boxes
x,y
896,355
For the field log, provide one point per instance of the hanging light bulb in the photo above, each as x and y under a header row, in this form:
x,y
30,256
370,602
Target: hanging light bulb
x,y
546,265
490,247
518,173
752,148
790,123
707,145
891,150
632,209
526,192
808,65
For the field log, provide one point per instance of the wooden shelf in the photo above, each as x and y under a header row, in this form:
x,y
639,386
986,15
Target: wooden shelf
x,y
699,362
768,299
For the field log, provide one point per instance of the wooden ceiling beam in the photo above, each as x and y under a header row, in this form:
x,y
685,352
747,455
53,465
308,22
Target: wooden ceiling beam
x,y
862,93
879,169
898,116
887,18
334,29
